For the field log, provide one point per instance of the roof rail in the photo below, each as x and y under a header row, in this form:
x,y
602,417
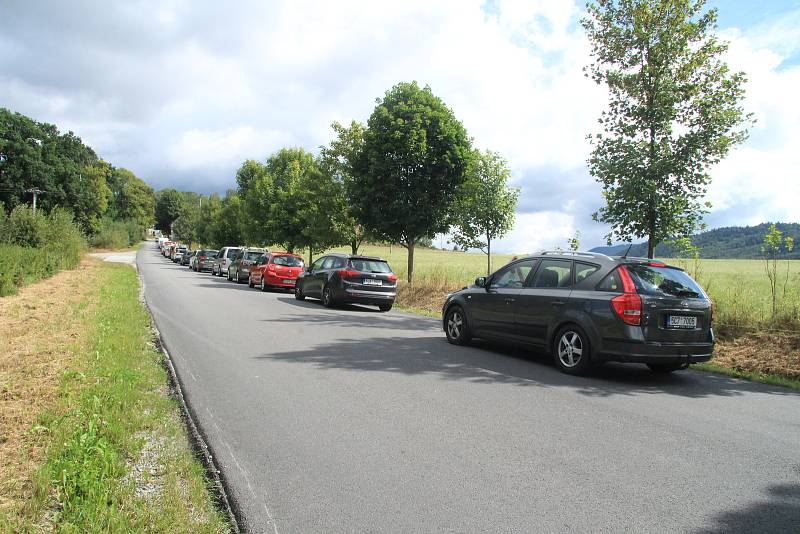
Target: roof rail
x,y
575,253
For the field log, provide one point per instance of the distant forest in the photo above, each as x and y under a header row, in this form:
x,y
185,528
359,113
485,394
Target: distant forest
x,y
731,242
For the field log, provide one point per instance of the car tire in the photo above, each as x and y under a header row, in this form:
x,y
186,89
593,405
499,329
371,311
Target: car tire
x,y
664,368
456,327
385,307
327,296
298,293
230,278
264,285
571,350
238,278
250,283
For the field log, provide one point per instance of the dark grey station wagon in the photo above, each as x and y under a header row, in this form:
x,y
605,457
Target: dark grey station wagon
x,y
588,308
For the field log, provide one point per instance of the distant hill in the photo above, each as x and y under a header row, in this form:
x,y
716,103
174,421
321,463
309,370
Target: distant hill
x,y
731,242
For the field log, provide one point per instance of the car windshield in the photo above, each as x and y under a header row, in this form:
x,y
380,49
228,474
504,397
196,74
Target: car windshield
x,y
289,261
370,266
663,281
252,256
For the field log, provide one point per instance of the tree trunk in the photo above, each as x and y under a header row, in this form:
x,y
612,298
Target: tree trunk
x,y
310,255
651,242
488,257
354,246
411,260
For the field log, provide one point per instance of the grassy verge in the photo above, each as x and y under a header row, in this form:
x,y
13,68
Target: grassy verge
x,y
107,451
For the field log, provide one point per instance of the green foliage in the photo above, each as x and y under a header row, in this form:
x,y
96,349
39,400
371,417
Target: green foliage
x,y
169,206
338,160
91,196
117,234
574,242
775,243
131,198
228,227
673,112
37,246
412,165
484,209
209,211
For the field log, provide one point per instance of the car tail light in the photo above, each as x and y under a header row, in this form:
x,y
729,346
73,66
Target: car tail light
x,y
628,306
657,264
347,273
392,277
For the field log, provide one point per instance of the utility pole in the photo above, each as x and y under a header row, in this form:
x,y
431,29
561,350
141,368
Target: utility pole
x,y
36,192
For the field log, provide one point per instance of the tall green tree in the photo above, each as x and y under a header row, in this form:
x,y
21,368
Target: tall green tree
x,y
338,160
209,211
228,227
674,110
169,206
131,198
90,194
413,163
486,203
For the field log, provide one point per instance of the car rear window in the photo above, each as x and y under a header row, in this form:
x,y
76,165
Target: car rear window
x,y
252,256
232,252
370,266
663,281
211,253
288,261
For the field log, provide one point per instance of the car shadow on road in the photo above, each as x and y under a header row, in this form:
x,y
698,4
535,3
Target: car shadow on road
x,y
778,513
352,316
490,364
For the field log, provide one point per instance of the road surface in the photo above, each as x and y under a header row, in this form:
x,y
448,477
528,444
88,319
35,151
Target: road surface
x,y
350,420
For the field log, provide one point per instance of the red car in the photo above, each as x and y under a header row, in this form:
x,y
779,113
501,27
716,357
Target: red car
x,y
276,269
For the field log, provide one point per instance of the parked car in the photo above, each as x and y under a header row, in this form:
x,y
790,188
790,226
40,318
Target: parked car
x,y
239,268
204,260
187,257
343,278
166,247
224,258
588,308
276,269
178,253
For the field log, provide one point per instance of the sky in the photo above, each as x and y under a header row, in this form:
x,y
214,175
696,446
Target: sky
x,y
182,92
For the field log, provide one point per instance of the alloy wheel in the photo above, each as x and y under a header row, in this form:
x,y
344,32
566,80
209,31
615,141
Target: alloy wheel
x,y
455,323
570,348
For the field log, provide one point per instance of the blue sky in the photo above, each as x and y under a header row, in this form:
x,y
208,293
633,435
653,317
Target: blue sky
x,y
182,92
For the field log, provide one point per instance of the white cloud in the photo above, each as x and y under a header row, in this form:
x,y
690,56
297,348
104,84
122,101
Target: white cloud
x,y
182,92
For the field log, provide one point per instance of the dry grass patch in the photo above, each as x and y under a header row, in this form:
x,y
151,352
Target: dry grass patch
x,y
767,353
41,330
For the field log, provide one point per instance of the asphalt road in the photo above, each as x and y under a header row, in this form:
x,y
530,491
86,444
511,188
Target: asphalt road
x,y
350,420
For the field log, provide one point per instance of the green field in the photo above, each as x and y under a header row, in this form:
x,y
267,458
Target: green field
x,y
738,287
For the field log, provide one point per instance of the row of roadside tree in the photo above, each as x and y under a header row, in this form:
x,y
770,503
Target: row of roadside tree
x,y
410,173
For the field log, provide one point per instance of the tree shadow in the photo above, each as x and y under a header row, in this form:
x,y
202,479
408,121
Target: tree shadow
x,y
489,364
780,513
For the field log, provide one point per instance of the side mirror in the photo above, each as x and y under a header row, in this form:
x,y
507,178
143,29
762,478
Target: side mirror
x,y
480,281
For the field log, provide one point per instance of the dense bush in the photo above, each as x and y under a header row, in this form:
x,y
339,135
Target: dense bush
x,y
117,234
36,246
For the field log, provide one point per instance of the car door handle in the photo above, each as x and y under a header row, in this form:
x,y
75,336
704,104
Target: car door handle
x,y
557,302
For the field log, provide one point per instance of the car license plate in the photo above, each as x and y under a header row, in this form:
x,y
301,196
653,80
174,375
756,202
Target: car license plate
x,y
681,321
288,281
372,282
